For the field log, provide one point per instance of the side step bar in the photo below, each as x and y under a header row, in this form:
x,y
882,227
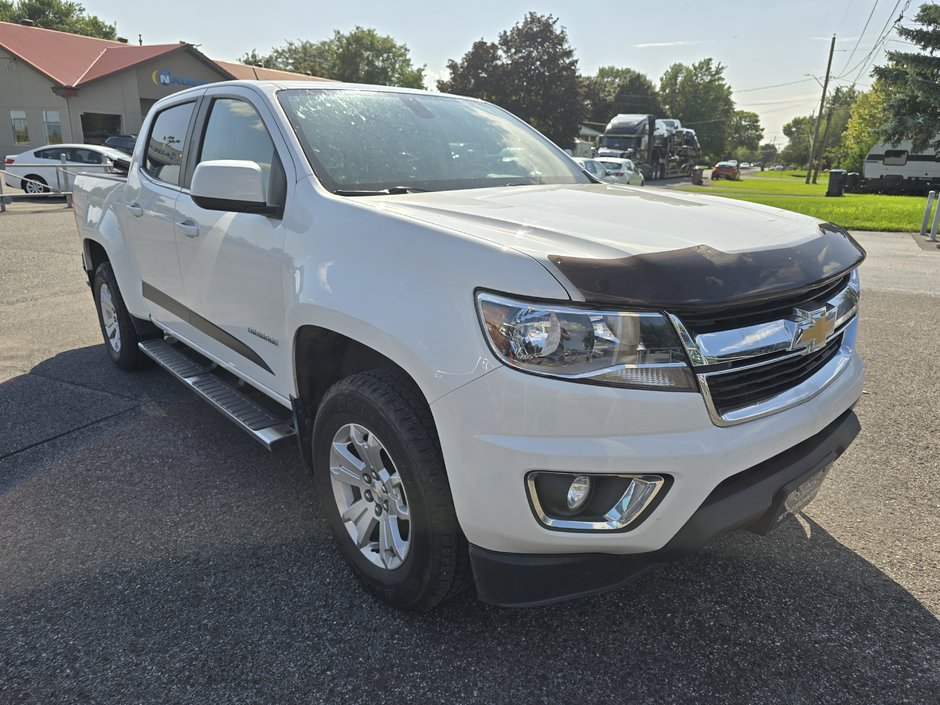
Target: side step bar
x,y
265,427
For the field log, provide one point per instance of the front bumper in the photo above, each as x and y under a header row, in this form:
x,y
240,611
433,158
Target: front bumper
x,y
498,428
745,500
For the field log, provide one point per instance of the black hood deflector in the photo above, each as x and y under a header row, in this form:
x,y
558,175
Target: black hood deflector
x,y
704,276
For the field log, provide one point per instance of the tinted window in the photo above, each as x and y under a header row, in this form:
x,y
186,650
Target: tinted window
x,y
235,130
166,142
51,153
895,157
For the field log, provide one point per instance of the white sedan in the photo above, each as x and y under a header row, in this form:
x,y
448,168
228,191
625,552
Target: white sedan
x,y
34,171
622,171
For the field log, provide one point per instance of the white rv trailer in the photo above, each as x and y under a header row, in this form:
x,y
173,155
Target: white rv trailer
x,y
897,168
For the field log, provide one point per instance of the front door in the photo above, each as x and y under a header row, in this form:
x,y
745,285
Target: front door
x,y
231,263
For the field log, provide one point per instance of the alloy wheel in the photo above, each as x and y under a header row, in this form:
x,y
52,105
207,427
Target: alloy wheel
x,y
370,496
109,318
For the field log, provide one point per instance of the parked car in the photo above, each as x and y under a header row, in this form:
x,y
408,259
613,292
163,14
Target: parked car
x,y
35,171
123,143
726,170
593,167
623,171
745,165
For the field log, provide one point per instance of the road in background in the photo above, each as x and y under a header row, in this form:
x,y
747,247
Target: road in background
x,y
152,553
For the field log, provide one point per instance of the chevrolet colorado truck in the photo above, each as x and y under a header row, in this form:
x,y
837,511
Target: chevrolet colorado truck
x,y
498,370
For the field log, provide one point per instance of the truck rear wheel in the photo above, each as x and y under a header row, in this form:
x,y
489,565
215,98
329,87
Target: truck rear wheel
x,y
117,325
384,490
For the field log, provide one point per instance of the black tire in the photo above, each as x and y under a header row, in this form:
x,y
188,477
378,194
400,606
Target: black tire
x,y
390,406
27,186
125,354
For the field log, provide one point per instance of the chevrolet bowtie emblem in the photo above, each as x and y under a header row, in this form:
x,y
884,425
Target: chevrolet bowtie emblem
x,y
813,328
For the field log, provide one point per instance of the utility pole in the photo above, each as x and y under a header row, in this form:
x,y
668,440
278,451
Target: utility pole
x,y
822,105
825,141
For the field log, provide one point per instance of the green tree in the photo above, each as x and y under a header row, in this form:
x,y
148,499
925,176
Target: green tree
x,y
800,133
745,131
768,153
869,113
699,96
56,14
359,56
840,104
531,71
616,90
910,79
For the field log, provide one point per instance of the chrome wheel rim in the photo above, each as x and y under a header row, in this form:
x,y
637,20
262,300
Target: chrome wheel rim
x,y
33,187
109,318
370,496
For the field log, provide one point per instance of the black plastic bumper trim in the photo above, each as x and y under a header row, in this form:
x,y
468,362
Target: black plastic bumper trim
x,y
745,500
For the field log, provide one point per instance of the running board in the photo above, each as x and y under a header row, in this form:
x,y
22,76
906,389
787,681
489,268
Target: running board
x,y
265,427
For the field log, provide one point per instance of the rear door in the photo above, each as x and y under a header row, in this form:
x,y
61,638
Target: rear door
x,y
232,263
149,212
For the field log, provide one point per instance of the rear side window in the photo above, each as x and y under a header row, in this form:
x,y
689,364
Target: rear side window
x,y
52,153
235,130
895,157
166,142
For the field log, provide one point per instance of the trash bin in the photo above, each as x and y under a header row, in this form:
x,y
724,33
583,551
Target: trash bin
x,y
837,179
851,182
697,173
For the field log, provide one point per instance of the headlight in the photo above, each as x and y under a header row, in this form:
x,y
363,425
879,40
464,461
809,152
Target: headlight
x,y
621,348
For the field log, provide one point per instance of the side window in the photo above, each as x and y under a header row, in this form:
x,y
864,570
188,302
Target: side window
x,y
895,157
166,141
235,130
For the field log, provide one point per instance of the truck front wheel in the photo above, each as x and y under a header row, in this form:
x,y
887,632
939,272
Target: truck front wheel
x,y
384,490
117,326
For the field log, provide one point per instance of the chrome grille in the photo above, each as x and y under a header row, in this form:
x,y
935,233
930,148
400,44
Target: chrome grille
x,y
718,319
740,388
774,355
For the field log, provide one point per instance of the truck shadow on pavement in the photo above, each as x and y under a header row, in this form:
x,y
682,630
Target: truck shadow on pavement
x,y
161,556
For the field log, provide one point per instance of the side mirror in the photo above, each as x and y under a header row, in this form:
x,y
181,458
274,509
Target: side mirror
x,y
230,185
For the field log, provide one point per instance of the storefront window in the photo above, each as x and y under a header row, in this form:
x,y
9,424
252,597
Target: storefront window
x,y
50,119
20,131
97,127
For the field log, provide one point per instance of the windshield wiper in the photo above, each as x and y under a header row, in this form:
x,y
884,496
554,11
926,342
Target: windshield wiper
x,y
394,190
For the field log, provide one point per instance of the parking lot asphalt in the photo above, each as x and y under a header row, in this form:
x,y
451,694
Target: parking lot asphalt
x,y
152,553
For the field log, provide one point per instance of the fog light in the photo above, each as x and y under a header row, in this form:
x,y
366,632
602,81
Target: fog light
x,y
603,502
578,492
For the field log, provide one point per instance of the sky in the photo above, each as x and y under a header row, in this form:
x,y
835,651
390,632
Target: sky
x,y
762,43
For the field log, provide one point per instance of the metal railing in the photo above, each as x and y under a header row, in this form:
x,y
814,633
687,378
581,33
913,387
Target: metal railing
x,y
65,175
931,197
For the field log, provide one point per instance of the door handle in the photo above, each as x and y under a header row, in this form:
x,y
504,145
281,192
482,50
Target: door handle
x,y
188,228
136,209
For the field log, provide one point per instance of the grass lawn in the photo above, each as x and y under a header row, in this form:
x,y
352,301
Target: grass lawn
x,y
855,211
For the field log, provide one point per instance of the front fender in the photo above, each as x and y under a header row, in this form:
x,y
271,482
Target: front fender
x,y
403,288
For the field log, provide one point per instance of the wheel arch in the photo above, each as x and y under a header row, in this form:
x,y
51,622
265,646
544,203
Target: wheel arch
x,y
94,255
336,357
321,358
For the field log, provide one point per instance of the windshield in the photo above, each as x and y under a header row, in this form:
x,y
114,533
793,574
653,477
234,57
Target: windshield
x,y
617,142
364,141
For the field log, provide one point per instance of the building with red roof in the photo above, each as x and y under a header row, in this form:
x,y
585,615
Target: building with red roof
x,y
59,87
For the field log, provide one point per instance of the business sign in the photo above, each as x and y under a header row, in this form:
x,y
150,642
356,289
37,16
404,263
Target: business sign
x,y
165,78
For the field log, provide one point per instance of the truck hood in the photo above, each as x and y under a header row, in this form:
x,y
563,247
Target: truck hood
x,y
640,246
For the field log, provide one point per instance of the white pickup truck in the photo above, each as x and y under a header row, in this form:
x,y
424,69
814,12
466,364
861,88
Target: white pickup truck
x,y
498,370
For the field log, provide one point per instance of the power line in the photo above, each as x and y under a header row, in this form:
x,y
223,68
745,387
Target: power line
x,y
844,15
776,85
861,34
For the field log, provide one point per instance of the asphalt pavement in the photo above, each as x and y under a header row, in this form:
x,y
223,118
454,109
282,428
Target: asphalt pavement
x,y
152,553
